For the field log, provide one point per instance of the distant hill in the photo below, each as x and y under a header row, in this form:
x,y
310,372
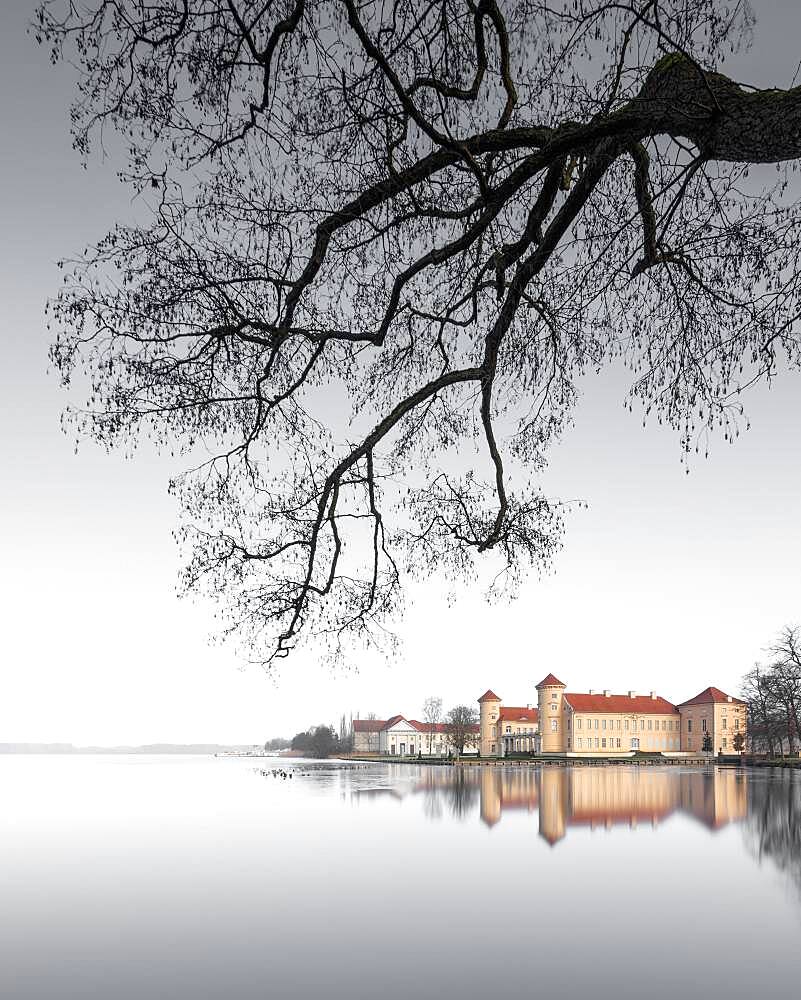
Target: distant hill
x,y
148,748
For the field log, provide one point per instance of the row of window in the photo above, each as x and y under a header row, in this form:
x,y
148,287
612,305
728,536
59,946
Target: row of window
x,y
704,726
724,743
614,743
667,724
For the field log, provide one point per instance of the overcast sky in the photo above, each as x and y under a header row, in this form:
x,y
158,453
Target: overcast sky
x,y
667,581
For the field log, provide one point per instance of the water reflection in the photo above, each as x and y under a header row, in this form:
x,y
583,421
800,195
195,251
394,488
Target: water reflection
x,y
773,830
594,797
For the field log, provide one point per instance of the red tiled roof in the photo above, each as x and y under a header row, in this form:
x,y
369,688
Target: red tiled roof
x,y
439,727
511,714
489,696
427,727
421,727
549,681
368,725
637,705
711,695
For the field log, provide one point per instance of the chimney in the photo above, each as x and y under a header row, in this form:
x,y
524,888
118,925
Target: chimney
x,y
593,691
607,694
653,695
632,694
728,697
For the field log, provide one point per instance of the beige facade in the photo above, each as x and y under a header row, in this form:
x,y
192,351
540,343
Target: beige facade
x,y
506,729
602,724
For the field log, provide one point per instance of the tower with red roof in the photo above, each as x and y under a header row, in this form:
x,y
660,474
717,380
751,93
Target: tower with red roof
x,y
550,696
489,706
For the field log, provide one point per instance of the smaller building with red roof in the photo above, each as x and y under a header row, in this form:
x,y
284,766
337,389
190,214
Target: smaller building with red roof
x,y
713,721
402,737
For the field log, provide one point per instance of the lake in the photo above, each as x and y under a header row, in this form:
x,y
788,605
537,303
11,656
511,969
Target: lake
x,y
198,877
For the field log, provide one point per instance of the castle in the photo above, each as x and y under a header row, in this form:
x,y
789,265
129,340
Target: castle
x,y
606,724
596,723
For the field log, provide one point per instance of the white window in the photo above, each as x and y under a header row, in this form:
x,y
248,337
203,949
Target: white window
x,y
554,725
580,742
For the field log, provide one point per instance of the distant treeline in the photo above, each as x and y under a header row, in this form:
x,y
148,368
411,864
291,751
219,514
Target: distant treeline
x,y
148,748
277,743
322,741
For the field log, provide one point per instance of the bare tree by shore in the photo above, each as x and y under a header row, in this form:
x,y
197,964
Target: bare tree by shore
x,y
773,694
462,725
432,713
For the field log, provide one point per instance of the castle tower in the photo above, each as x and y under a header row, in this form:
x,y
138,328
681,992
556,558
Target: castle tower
x,y
489,705
550,692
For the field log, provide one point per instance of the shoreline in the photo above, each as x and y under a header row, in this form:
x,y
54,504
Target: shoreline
x,y
538,761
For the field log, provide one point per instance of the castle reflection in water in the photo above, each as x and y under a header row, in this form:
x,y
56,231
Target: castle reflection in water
x,y
595,797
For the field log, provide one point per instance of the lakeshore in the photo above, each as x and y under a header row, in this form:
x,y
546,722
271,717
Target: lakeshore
x,y
545,760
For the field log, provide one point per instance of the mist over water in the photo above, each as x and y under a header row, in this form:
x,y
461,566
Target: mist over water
x,y
201,877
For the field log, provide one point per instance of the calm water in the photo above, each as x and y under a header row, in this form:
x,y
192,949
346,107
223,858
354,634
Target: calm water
x,y
199,877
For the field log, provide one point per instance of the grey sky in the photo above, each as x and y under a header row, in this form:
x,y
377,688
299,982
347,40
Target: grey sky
x,y
667,581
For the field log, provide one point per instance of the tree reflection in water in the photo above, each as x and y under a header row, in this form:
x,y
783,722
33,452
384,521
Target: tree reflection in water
x,y
455,789
773,826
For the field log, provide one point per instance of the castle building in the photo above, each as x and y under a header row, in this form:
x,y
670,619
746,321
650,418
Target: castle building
x,y
506,729
604,724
